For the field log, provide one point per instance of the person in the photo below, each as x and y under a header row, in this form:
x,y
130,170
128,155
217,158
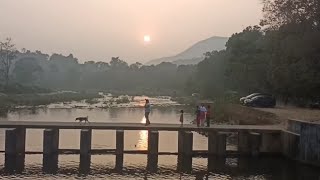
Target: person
x,y
208,115
147,110
181,117
197,115
203,112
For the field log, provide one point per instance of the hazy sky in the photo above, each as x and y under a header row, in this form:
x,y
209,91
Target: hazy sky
x,y
99,29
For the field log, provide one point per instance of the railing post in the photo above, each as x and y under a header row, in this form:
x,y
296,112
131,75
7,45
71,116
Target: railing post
x,y
153,148
119,149
85,142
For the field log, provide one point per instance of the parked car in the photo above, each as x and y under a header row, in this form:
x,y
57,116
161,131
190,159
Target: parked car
x,y
251,96
263,101
315,104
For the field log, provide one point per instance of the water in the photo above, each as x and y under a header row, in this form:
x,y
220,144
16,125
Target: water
x,y
102,166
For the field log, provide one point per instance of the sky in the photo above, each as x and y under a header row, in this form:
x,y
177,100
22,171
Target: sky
x,y
100,29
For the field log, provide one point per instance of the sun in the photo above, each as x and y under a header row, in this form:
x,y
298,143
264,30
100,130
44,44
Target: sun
x,y
146,38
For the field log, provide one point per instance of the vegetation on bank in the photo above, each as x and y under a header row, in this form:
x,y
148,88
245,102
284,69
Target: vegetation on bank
x,y
11,100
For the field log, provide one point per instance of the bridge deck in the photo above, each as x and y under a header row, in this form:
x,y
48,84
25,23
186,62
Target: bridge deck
x,y
136,126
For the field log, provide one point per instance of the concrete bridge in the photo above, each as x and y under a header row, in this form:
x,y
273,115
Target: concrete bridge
x,y
252,140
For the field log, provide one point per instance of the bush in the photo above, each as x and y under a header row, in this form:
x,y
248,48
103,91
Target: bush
x,y
123,100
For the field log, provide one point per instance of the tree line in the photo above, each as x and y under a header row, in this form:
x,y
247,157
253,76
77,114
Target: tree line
x,y
280,56
59,72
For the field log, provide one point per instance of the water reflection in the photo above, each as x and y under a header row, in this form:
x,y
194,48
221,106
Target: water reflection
x,y
143,137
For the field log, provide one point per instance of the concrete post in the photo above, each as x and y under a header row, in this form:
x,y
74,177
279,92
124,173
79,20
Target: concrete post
x,y
255,142
180,142
119,149
153,142
85,163
188,144
290,144
271,142
15,141
11,142
20,141
85,142
217,143
243,142
153,148
50,164
50,142
185,144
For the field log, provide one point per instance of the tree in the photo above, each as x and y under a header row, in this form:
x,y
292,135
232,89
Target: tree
x,y
281,12
27,70
247,60
7,55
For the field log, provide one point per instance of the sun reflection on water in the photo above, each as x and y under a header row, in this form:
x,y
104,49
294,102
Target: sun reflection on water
x,y
143,137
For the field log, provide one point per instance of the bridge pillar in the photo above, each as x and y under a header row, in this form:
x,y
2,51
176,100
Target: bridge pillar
x,y
153,149
50,142
15,141
119,149
10,142
15,149
243,142
185,151
217,143
180,141
255,142
85,142
188,144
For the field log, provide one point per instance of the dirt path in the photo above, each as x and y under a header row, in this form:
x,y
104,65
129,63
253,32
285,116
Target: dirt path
x,y
237,114
294,113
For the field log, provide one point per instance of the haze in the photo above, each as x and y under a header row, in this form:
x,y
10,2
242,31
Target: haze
x,y
99,29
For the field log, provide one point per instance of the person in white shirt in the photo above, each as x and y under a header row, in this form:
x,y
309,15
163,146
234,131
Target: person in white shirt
x,y
203,112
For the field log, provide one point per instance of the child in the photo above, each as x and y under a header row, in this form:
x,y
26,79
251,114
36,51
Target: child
x,y
181,117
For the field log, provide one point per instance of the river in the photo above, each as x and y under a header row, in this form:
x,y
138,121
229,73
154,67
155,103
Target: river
x,y
163,111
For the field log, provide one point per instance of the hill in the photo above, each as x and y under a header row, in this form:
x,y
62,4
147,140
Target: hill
x,y
194,54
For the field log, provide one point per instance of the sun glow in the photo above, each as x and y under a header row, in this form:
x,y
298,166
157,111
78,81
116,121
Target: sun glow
x,y
146,38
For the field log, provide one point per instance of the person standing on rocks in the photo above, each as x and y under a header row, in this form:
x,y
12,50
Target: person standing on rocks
x,y
147,110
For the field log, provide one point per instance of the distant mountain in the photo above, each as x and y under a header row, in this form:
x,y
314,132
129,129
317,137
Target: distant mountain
x,y
194,54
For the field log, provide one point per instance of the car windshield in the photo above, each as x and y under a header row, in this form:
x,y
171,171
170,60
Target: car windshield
x,y
252,95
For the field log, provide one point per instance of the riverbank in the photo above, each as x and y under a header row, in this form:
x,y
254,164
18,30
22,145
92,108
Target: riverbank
x,y
9,101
